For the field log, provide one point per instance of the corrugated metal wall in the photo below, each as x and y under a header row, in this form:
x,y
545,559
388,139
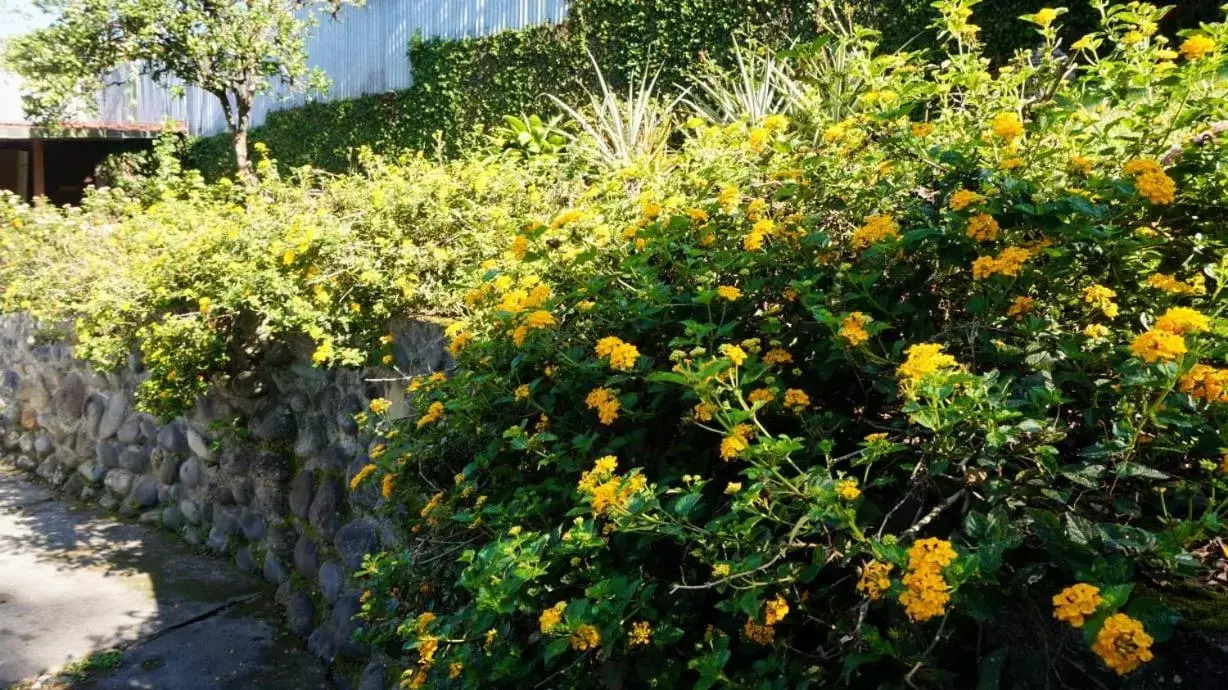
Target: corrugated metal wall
x,y
365,51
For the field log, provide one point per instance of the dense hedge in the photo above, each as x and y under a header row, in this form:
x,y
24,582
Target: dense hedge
x,y
460,84
931,393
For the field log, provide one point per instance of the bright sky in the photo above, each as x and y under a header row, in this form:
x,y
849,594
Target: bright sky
x,y
19,16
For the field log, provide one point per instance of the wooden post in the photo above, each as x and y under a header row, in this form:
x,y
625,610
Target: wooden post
x,y
40,169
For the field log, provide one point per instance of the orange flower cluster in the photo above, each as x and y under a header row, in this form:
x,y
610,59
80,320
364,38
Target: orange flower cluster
x,y
926,593
1206,382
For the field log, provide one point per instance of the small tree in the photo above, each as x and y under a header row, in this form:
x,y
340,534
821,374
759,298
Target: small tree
x,y
232,49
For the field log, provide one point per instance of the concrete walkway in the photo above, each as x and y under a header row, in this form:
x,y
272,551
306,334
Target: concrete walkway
x,y
74,582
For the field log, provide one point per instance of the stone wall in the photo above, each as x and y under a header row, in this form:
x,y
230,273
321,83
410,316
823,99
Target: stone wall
x,y
258,473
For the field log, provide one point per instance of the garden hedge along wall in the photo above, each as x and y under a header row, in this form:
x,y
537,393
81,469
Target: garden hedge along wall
x,y
462,85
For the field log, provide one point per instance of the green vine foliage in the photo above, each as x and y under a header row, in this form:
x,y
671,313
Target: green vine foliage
x,y
461,86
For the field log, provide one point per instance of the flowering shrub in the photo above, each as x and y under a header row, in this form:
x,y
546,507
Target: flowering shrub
x,y
806,400
796,400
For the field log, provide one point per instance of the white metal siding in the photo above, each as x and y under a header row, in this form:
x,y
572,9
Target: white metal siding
x,y
366,50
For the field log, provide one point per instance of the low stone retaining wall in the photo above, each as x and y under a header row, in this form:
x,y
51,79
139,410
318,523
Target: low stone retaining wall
x,y
257,473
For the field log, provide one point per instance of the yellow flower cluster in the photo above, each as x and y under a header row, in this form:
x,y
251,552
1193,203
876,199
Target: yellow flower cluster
x,y
761,395
433,414
1044,17
1164,341
1206,382
536,320
1182,320
1075,603
1008,262
703,412
380,405
729,292
1173,286
551,617
922,130
1196,47
606,490
1021,306
923,360
1123,644
963,198
1151,181
459,341
847,489
775,610
387,485
520,246
641,634
1095,331
1007,126
926,593
753,242
522,391
777,356
796,399
853,328
736,441
585,638
875,229
759,634
1155,345
605,402
983,228
361,476
874,581
532,296
1101,297
622,355
734,353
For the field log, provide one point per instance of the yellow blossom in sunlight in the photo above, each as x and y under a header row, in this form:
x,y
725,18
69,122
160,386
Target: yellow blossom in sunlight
x,y
1205,382
1151,181
1083,43
775,610
759,137
922,130
734,353
1021,306
698,216
361,476
761,395
736,442
520,246
1123,644
853,328
455,669
522,391
1095,331
796,399
1008,262
923,360
566,218
729,199
1075,603
703,412
433,414
733,488
380,405
1155,345
1182,320
1011,163
551,617
387,485
729,292
776,356
585,638
847,489
756,208
982,228
1044,17
720,570
1170,284
875,229
1196,47
459,341
776,122
605,402
1081,164
1007,126
640,635
1101,297
963,198
874,581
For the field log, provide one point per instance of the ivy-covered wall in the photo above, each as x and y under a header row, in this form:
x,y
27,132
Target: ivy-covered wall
x,y
461,85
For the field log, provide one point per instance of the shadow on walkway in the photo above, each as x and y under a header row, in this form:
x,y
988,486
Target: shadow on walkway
x,y
74,581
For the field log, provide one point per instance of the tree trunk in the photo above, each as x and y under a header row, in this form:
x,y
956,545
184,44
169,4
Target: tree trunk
x,y
238,137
